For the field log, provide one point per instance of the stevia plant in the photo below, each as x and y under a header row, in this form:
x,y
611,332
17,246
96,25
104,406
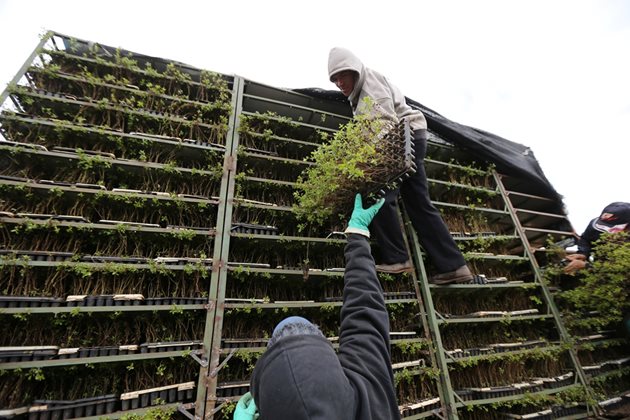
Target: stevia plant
x,y
368,154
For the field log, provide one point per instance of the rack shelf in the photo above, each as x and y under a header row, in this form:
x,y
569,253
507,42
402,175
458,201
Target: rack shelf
x,y
102,225
93,359
22,123
487,401
491,353
90,309
505,318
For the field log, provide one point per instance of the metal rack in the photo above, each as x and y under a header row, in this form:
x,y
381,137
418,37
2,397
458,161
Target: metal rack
x,y
195,173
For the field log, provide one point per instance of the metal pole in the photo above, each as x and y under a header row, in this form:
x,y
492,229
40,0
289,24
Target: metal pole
x,y
446,390
557,316
206,391
5,93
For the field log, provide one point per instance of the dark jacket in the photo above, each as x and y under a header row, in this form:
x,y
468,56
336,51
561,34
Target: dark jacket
x,y
301,377
590,235
614,218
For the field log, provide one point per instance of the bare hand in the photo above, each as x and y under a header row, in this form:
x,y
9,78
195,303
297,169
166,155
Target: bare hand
x,y
574,265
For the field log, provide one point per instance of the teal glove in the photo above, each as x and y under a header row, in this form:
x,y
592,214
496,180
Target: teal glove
x,y
361,218
246,408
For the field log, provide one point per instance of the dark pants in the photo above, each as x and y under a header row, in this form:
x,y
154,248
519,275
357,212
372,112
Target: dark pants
x,y
432,232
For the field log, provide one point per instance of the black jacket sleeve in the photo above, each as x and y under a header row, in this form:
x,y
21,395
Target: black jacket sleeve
x,y
590,235
364,335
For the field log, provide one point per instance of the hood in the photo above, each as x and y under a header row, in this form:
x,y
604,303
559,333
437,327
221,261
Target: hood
x,y
340,59
300,378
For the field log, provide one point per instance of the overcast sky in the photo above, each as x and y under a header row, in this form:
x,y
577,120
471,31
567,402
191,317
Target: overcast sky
x,y
552,75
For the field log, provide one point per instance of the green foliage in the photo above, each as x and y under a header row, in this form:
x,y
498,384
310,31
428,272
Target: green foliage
x,y
411,347
215,81
87,162
155,88
603,288
408,376
228,408
56,192
161,369
183,234
150,71
173,71
84,270
574,394
533,401
170,167
386,277
262,123
342,168
403,376
544,353
35,374
155,413
176,310
327,308
249,358
126,61
21,317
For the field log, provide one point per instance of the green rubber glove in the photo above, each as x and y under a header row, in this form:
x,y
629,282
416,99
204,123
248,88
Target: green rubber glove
x,y
361,218
246,408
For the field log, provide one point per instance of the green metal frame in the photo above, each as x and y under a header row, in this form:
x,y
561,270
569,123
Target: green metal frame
x,y
557,316
212,356
447,395
206,398
435,320
217,270
22,71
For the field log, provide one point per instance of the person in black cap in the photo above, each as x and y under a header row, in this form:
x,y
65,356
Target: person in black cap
x,y
301,377
614,218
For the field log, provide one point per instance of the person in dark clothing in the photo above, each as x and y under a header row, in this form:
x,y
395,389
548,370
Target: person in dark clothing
x,y
358,82
301,377
614,218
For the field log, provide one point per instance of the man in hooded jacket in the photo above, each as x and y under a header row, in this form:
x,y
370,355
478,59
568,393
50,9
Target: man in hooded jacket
x,y
357,82
301,378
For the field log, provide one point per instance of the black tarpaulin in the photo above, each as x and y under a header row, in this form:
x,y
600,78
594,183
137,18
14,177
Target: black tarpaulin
x,y
509,157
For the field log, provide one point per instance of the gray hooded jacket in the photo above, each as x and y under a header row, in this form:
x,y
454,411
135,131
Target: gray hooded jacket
x,y
387,98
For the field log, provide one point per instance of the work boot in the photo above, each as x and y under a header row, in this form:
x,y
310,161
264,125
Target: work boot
x,y
461,275
402,267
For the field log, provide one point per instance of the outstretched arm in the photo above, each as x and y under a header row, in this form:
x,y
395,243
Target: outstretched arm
x,y
578,261
364,334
